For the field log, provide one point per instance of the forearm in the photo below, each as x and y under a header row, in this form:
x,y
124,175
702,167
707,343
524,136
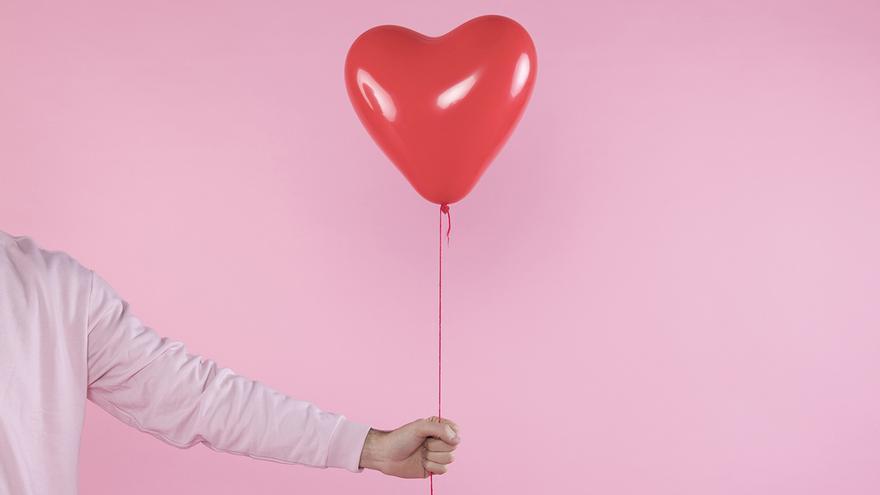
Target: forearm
x,y
153,384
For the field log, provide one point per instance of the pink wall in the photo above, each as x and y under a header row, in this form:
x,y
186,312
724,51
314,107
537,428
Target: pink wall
x,y
667,283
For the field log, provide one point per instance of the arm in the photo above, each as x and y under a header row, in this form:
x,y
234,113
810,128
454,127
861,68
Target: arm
x,y
153,384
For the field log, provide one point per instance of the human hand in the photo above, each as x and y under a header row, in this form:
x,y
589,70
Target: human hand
x,y
415,450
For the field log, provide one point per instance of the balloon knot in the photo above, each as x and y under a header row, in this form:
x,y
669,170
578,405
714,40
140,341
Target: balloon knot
x,y
444,210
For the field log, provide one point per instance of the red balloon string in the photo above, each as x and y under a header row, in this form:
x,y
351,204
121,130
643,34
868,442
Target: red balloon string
x,y
444,210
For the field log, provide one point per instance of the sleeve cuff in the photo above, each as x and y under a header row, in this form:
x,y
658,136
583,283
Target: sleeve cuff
x,y
346,445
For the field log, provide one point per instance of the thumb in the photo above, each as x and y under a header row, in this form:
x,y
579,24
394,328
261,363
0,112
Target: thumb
x,y
428,428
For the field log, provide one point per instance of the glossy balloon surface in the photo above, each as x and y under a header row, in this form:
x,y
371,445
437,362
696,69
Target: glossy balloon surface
x,y
441,108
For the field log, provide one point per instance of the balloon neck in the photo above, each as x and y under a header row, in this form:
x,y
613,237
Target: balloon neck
x,y
444,210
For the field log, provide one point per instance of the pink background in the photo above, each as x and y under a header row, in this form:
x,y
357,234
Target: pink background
x,y
667,283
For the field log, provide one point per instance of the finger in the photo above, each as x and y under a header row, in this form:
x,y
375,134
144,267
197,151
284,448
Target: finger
x,y
434,445
449,422
440,457
434,468
453,425
429,428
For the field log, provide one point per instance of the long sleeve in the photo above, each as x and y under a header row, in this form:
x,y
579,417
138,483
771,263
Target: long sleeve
x,y
153,384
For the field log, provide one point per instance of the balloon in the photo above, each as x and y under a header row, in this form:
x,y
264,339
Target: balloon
x,y
441,108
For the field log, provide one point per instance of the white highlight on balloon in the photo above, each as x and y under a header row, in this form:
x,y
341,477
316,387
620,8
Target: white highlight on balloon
x,y
386,104
520,74
458,91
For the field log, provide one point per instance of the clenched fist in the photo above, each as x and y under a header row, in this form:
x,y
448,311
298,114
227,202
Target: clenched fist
x,y
414,450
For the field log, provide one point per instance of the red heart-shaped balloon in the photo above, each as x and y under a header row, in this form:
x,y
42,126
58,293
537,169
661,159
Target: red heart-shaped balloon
x,y
441,108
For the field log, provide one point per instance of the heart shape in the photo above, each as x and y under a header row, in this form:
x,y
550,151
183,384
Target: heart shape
x,y
441,108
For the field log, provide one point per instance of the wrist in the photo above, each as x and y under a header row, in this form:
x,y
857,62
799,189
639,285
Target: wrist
x,y
372,453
